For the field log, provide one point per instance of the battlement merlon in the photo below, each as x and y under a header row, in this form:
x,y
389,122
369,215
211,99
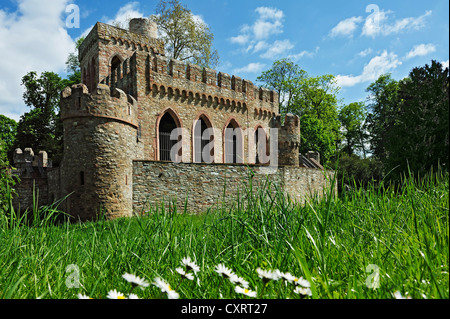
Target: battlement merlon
x,y
25,161
115,104
117,36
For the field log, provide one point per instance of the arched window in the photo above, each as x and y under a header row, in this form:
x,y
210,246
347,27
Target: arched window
x,y
233,143
115,69
169,133
203,141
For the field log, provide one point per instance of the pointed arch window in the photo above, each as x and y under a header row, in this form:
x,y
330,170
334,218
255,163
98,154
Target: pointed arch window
x,y
169,134
233,146
203,142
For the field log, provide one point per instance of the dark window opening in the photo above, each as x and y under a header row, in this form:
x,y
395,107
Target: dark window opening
x,y
166,144
203,141
233,139
82,178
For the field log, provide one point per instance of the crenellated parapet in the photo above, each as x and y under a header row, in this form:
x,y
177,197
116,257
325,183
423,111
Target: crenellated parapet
x,y
115,104
176,75
140,39
28,164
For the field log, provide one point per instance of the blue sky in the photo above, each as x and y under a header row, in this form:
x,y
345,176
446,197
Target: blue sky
x,y
354,40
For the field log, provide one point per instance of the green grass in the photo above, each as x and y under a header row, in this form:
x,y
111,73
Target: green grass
x,y
336,244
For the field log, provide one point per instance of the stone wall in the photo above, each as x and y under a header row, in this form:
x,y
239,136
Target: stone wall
x,y
202,186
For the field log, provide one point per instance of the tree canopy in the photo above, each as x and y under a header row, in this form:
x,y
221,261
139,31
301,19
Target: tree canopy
x,y
313,99
187,37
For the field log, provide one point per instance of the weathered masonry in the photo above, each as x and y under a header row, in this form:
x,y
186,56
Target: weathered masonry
x,y
143,129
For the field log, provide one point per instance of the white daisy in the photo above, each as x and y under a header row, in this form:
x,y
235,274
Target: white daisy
x,y
161,284
81,296
398,295
114,294
173,295
134,280
302,282
223,271
184,273
288,277
133,296
235,279
165,287
245,291
267,275
303,291
190,265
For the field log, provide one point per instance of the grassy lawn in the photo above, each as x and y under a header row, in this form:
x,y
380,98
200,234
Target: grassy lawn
x,y
364,244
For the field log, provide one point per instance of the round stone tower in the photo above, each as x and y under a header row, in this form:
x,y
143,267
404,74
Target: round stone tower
x,y
288,140
100,130
144,26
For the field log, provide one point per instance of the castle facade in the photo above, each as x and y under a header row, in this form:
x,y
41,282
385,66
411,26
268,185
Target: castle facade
x,y
143,129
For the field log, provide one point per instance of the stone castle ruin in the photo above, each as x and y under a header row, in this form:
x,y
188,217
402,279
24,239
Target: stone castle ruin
x,y
143,129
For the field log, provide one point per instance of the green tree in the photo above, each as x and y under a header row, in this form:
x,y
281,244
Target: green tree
x,y
313,99
285,77
420,135
187,37
352,118
382,111
73,66
8,131
40,128
316,104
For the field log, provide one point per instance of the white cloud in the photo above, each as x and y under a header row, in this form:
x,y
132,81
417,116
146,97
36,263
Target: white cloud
x,y
240,39
298,56
346,27
34,38
376,24
377,66
270,13
279,47
365,52
421,50
250,68
122,17
253,37
444,64
125,13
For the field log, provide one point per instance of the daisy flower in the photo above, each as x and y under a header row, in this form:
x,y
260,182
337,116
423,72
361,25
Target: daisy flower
x,y
398,295
190,265
235,279
81,296
173,295
267,275
302,282
288,277
223,271
114,294
245,291
184,273
133,296
134,280
165,287
303,291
